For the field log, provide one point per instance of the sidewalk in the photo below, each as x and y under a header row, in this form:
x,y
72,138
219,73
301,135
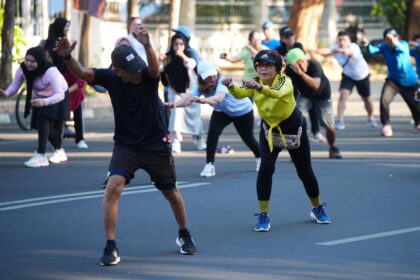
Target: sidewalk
x,y
99,107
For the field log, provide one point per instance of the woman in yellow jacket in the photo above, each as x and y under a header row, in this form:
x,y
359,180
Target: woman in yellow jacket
x,y
282,127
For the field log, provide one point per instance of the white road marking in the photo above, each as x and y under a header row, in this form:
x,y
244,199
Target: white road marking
x,y
369,236
82,196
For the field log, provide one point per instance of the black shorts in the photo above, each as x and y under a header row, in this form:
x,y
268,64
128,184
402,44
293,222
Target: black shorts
x,y
362,86
159,164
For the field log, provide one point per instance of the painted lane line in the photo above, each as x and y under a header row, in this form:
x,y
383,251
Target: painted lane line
x,y
93,196
73,194
369,236
66,195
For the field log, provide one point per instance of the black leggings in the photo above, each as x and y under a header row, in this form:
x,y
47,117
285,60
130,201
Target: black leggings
x,y
244,126
51,130
78,123
301,158
313,117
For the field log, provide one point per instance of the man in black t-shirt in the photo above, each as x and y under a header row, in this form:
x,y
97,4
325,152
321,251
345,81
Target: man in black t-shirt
x,y
287,40
308,77
140,139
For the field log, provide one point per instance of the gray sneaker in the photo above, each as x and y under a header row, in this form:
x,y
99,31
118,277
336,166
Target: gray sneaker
x,y
339,125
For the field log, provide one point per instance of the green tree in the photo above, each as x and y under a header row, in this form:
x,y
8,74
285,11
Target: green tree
x,y
13,46
395,11
19,42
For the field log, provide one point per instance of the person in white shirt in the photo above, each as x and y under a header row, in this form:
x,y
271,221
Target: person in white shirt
x,y
355,73
135,24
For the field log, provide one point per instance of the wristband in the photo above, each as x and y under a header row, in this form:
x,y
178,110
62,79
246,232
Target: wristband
x,y
67,57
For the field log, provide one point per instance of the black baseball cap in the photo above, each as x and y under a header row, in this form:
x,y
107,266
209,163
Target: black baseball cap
x,y
286,32
126,58
390,31
267,56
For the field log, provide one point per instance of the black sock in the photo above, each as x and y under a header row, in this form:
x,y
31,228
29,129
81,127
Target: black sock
x,y
111,244
183,231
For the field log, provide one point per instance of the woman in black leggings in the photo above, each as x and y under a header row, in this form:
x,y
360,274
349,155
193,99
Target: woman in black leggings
x,y
226,109
282,127
47,98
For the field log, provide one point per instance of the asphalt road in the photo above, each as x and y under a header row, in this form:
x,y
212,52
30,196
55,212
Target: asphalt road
x,y
50,218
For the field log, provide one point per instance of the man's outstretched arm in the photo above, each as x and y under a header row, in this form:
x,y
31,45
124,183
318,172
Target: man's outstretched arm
x,y
153,64
64,49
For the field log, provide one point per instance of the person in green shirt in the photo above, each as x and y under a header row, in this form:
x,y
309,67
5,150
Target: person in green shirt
x,y
247,54
282,127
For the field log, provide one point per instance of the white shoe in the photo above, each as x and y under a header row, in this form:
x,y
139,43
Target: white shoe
x,y
208,171
82,144
58,156
257,163
200,143
176,146
387,130
320,137
37,160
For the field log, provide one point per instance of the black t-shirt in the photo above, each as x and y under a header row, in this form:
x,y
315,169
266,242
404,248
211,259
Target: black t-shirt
x,y
282,49
138,110
314,71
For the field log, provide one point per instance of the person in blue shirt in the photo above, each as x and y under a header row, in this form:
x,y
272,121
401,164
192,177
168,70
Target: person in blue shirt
x,y
269,41
415,51
185,31
401,77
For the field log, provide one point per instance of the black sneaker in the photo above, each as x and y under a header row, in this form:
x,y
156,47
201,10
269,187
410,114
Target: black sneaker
x,y
335,153
186,243
111,256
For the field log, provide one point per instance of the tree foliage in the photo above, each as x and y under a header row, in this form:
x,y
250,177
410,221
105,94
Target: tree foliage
x,y
19,46
395,11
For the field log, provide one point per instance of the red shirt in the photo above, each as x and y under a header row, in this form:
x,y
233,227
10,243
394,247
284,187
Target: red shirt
x,y
77,96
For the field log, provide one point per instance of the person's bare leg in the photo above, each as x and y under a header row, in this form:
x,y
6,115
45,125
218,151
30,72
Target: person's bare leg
x,y
342,101
177,204
330,133
368,106
110,204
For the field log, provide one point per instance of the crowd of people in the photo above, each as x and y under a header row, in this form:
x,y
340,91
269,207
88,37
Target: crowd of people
x,y
279,80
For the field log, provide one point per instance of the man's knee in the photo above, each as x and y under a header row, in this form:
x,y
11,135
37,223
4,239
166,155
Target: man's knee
x,y
344,94
172,195
115,186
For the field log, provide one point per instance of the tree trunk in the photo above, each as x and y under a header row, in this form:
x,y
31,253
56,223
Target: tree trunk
x,y
7,37
67,9
132,11
260,13
305,18
84,39
413,23
187,13
331,13
45,22
173,17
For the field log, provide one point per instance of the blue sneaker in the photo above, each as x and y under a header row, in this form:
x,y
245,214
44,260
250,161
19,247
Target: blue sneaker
x,y
263,223
319,215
